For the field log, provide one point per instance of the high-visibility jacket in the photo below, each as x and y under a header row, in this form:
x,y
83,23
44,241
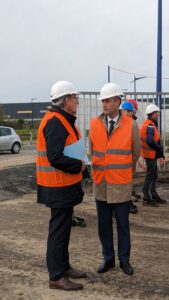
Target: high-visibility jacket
x,y
112,158
46,174
146,150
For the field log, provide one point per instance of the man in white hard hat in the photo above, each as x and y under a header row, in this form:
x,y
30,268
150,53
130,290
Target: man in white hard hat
x,y
151,150
115,149
59,165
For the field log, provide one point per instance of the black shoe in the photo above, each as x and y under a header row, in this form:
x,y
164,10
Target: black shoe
x,y
152,203
127,268
134,194
159,200
133,209
105,266
77,221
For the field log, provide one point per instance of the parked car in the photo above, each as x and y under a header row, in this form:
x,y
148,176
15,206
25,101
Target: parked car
x,y
9,140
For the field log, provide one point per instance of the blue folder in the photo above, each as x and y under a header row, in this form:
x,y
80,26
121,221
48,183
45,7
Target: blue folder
x,y
77,150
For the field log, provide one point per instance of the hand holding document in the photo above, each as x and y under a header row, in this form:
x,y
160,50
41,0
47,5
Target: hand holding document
x,y
77,150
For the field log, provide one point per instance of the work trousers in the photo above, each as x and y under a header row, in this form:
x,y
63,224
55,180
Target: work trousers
x,y
149,187
105,212
58,242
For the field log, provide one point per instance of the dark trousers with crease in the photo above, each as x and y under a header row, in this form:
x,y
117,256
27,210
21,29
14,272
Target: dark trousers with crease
x,y
149,187
105,212
58,242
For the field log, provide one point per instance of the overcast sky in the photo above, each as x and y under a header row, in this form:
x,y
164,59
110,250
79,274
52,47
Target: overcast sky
x,y
43,41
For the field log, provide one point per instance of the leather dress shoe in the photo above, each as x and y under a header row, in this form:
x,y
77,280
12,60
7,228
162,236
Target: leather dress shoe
x,y
65,284
152,203
105,266
75,274
127,268
159,200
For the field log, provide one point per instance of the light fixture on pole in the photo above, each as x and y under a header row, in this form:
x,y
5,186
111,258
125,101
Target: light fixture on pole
x,y
135,79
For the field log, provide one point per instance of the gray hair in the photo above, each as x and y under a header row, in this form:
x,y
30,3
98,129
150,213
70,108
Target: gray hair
x,y
60,102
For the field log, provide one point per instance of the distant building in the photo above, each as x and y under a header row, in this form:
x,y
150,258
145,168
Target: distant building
x,y
25,111
88,108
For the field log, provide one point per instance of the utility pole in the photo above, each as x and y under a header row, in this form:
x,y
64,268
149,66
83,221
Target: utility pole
x,y
159,61
108,73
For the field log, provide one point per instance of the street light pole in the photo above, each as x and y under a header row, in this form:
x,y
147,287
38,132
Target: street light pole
x,y
134,84
135,79
159,61
32,99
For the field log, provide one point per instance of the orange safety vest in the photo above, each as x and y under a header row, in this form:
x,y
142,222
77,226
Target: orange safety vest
x,y
46,174
112,158
146,150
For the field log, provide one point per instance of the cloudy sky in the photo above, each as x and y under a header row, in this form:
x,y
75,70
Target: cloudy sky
x,y
43,41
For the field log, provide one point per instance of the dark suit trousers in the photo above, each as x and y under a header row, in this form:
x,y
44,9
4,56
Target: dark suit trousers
x,y
58,242
105,213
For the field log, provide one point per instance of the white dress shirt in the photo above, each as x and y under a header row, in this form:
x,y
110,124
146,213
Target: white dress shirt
x,y
114,119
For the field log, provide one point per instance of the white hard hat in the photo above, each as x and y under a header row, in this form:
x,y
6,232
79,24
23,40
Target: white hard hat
x,y
151,108
110,90
63,88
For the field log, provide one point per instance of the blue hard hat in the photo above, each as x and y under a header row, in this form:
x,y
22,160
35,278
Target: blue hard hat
x,y
127,106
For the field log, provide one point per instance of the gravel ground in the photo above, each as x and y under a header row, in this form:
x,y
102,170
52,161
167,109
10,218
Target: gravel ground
x,y
24,228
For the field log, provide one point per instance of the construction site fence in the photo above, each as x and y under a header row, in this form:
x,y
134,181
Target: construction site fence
x,y
90,106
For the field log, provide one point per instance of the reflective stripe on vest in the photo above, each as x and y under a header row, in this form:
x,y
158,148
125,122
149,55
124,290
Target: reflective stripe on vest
x,y
46,174
99,154
119,151
45,169
112,159
112,151
41,153
146,150
112,166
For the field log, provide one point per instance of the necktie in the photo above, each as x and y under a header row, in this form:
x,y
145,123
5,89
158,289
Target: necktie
x,y
111,126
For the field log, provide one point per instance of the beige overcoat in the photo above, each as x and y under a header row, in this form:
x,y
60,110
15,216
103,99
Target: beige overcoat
x,y
117,193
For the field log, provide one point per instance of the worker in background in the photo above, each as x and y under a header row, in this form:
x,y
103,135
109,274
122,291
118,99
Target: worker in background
x,y
151,150
134,116
135,110
128,110
59,175
114,147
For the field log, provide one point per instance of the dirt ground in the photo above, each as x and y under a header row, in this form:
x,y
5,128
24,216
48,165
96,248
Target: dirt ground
x,y
24,228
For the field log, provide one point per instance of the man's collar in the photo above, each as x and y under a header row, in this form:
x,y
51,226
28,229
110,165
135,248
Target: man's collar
x,y
68,116
114,119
